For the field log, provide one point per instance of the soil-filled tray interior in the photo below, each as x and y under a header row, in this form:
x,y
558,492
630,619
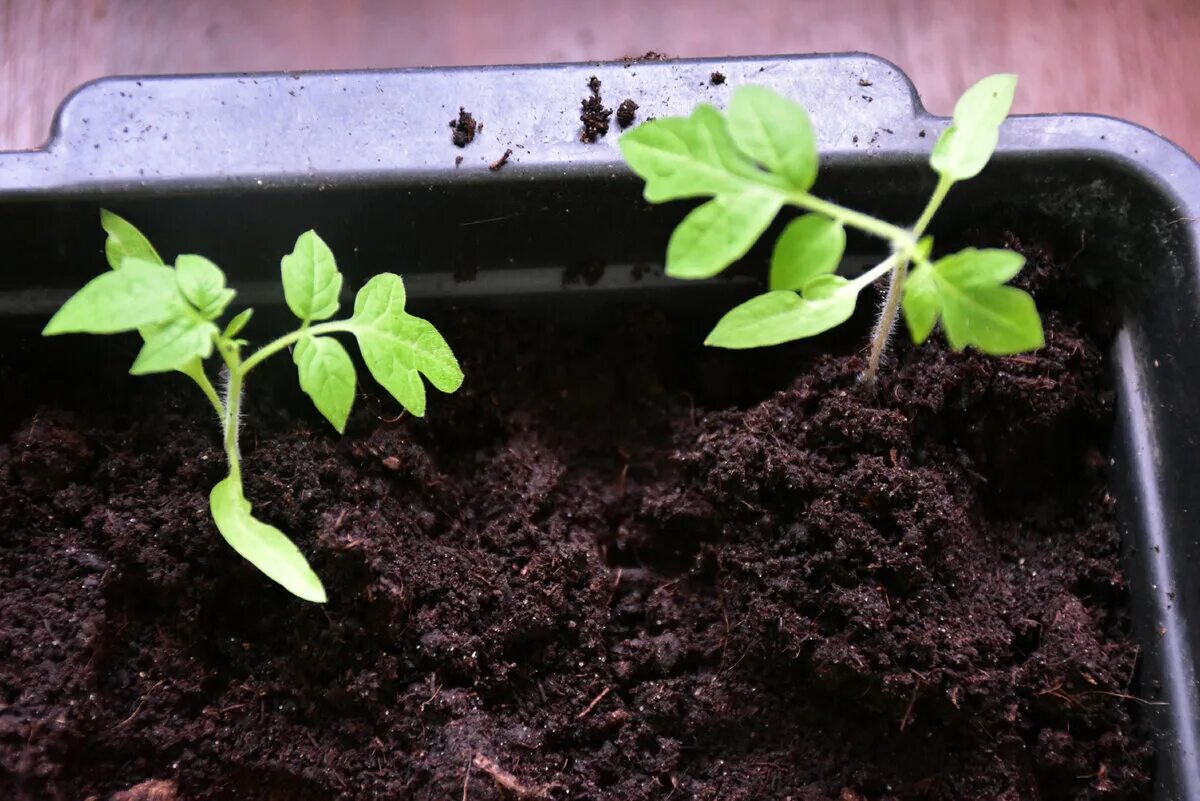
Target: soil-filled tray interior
x,y
614,565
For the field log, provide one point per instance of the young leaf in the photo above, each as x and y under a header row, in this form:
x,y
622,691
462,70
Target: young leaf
x,y
398,347
776,133
238,323
718,233
965,147
124,241
264,546
922,303
138,294
810,246
681,157
174,344
782,316
311,281
327,376
203,284
967,290
999,320
972,267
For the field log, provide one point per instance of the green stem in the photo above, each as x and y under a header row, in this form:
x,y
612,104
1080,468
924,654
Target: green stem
x,y
899,237
891,303
233,408
195,371
271,348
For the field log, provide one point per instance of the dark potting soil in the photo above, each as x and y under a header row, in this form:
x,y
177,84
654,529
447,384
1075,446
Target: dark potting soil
x,y
610,567
593,114
462,129
626,112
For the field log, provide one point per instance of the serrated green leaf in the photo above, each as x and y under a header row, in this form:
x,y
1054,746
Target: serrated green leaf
x,y
264,546
988,267
125,241
174,344
810,246
782,316
776,133
238,323
1000,320
682,157
311,281
398,348
718,233
203,284
922,303
139,294
327,376
966,146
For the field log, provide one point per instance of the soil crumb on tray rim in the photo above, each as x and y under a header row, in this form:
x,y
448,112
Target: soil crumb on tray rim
x,y
594,115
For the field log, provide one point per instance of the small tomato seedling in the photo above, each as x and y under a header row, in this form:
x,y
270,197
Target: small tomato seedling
x,y
762,156
175,309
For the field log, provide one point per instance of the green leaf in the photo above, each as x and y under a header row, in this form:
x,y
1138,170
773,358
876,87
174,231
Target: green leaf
x,y
971,267
999,320
327,376
681,157
719,233
203,284
965,147
782,316
922,302
238,323
124,241
264,546
398,348
311,281
776,133
174,344
810,246
139,294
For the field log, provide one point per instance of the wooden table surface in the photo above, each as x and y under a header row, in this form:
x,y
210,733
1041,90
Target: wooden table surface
x,y
1130,58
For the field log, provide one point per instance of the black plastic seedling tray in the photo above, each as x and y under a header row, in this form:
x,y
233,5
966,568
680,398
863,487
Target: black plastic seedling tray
x,y
224,165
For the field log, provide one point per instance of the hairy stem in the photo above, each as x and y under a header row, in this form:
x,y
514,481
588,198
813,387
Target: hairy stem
x,y
271,348
891,303
233,408
899,237
195,371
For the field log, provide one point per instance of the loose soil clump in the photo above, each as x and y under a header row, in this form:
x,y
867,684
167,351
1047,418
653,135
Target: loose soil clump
x,y
463,128
594,115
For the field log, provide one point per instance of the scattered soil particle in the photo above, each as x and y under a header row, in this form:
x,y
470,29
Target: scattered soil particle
x,y
795,586
864,82
587,272
922,133
649,55
594,115
458,160
463,128
626,112
496,165
717,78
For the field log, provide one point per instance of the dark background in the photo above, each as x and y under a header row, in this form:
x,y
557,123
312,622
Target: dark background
x,y
1136,59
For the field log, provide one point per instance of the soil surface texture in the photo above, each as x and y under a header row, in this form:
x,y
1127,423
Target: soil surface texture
x,y
611,567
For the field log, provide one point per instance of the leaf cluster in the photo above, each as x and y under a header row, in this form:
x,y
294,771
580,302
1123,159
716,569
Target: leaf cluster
x,y
761,156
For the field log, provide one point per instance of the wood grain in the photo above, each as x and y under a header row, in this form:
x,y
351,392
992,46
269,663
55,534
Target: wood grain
x,y
1137,60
